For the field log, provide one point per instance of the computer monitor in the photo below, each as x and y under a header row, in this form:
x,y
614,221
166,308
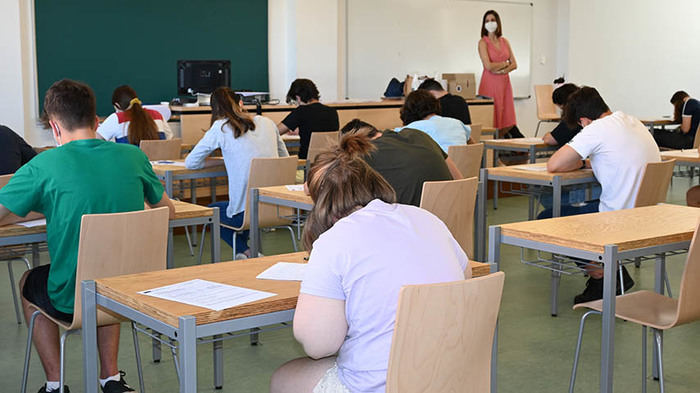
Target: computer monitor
x,y
202,76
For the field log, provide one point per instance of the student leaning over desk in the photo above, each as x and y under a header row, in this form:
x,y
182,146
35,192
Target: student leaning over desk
x,y
14,151
83,175
241,137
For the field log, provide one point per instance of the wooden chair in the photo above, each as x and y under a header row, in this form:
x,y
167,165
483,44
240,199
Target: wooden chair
x,y
162,149
443,337
476,133
321,141
111,245
546,110
651,309
655,182
193,127
267,172
453,202
467,158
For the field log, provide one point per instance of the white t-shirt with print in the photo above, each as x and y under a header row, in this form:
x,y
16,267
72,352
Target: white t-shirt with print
x,y
116,125
619,147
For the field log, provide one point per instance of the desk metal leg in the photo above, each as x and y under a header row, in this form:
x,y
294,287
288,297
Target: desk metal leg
x,y
187,341
170,259
494,259
495,183
659,275
254,230
533,154
215,236
607,348
556,275
481,217
218,362
89,316
169,183
36,256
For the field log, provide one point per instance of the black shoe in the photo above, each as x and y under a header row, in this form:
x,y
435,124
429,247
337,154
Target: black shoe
x,y
593,291
43,389
117,386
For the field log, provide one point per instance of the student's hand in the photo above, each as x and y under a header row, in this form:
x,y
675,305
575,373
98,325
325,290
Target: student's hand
x,y
295,132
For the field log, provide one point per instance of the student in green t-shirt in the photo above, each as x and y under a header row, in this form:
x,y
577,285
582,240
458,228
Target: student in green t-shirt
x,y
83,175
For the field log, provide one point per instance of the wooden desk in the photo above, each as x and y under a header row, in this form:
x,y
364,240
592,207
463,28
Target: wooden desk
x,y
663,122
17,235
214,167
683,157
605,237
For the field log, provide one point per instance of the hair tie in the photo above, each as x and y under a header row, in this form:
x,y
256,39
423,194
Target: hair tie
x,y
133,101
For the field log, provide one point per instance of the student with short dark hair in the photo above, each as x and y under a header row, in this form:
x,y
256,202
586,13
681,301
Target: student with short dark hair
x,y
618,147
406,159
83,175
562,134
686,112
420,111
309,116
132,123
451,105
14,151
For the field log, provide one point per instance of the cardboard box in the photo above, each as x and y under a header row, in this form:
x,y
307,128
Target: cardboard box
x,y
463,85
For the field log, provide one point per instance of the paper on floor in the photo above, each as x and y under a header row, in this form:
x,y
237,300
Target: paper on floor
x,y
285,271
207,294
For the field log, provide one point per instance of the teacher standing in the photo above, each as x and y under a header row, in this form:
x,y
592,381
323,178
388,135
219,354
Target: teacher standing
x,y
498,60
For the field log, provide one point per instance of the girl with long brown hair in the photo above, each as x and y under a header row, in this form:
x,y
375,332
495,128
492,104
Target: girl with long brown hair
x,y
241,137
364,247
132,123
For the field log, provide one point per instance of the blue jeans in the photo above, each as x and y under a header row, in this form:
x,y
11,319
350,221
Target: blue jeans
x,y
569,210
235,221
570,196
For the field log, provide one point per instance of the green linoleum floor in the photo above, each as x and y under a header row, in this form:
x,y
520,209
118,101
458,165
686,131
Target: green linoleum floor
x,y
535,349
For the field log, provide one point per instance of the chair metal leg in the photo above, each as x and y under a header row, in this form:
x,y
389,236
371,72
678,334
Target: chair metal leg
x,y
619,272
201,245
294,240
644,359
572,381
189,240
668,284
660,358
155,348
254,336
234,245
637,262
62,375
28,351
538,127
137,352
554,295
14,292
176,362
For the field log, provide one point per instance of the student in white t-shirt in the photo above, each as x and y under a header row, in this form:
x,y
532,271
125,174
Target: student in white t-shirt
x,y
618,148
364,248
132,123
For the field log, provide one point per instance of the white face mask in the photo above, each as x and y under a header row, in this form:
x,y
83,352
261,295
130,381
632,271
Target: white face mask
x,y
54,132
491,26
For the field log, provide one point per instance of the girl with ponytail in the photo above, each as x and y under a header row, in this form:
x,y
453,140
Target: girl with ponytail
x,y
364,248
132,123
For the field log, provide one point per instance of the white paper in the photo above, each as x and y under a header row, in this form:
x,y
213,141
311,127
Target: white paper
x,y
285,271
295,187
33,223
534,168
207,294
680,153
168,162
535,140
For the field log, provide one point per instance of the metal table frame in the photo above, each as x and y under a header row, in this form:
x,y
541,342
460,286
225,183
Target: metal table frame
x,y
206,220
185,334
255,198
169,178
609,258
34,239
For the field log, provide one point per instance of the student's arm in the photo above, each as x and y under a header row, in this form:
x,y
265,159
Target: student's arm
x,y
164,201
549,139
320,325
281,146
454,171
26,151
4,213
206,145
565,159
488,64
685,124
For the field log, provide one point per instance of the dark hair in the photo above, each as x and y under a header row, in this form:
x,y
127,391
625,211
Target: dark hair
x,y
561,94
340,182
586,102
431,84
70,102
305,89
677,101
484,32
418,105
225,106
141,124
357,126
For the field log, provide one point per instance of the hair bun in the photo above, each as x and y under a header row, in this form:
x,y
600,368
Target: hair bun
x,y
356,145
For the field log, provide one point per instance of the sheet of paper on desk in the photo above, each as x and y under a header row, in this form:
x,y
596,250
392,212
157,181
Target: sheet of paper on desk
x,y
207,294
284,271
168,162
33,223
534,168
535,140
295,187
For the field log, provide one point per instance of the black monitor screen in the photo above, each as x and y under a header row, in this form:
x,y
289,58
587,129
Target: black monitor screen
x,y
202,76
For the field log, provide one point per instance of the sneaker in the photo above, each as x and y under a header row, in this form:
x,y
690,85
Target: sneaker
x,y
240,255
43,389
593,291
117,386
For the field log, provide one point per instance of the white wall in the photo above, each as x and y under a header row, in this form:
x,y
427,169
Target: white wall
x,y
636,52
11,100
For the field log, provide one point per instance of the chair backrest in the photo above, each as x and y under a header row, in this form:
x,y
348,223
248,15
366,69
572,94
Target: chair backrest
x,y
117,244
467,158
655,182
267,172
321,141
162,150
476,133
696,140
192,127
443,336
453,202
546,110
689,293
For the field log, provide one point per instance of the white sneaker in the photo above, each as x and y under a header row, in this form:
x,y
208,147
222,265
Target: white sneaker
x,y
240,255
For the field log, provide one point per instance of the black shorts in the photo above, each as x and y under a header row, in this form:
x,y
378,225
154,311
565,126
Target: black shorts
x,y
36,291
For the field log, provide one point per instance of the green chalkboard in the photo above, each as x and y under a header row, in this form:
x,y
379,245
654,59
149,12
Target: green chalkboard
x,y
137,42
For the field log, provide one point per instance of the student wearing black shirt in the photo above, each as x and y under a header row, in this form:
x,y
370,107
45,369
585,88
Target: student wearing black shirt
x,y
687,113
14,151
405,159
310,116
450,105
562,134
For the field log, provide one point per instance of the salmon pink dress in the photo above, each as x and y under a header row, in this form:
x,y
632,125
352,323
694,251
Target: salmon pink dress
x,y
498,86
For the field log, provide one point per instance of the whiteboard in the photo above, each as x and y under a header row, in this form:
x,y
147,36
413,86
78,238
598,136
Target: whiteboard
x,y
392,38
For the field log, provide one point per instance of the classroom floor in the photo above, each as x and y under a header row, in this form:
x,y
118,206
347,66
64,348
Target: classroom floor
x,y
535,350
